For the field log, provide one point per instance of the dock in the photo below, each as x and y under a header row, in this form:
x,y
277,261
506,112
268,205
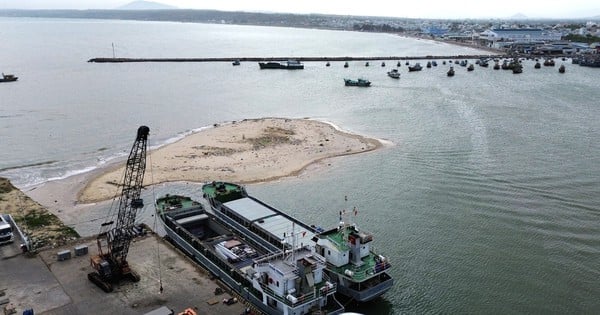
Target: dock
x,y
301,59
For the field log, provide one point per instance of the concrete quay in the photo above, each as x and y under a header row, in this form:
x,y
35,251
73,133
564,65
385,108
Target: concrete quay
x,y
51,286
302,59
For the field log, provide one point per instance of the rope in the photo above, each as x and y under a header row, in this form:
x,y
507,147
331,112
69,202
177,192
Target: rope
x,y
160,289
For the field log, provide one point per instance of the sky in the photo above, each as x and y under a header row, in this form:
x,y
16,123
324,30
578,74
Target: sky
x,y
437,9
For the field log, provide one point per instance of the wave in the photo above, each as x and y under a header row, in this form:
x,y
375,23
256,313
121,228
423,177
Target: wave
x,y
10,168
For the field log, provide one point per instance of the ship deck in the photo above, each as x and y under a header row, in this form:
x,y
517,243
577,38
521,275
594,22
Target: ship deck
x,y
276,226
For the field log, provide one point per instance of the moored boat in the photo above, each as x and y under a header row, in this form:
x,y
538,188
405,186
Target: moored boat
x,y
8,78
346,64
290,65
561,69
236,62
470,67
450,72
358,82
416,67
277,282
549,62
537,65
394,73
352,264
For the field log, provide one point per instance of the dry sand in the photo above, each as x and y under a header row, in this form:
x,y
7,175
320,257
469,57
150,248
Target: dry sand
x,y
248,151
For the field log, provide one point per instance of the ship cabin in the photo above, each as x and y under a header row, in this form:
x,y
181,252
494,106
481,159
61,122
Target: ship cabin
x,y
292,281
344,245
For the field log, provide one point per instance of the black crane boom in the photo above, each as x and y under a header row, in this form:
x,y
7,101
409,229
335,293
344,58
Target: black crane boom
x,y
111,264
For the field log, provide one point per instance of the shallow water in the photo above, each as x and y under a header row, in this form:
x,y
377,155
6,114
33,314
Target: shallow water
x,y
486,201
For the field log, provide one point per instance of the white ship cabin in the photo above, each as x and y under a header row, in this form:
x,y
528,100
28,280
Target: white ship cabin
x,y
292,282
343,245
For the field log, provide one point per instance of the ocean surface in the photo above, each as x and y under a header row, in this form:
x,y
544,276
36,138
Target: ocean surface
x,y
486,200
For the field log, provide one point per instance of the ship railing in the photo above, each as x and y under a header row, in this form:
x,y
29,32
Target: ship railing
x,y
320,290
360,273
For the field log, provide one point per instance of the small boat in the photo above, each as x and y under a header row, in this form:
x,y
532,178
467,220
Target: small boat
x,y
496,66
236,62
517,68
450,72
561,69
434,63
428,64
366,64
383,64
290,65
359,82
327,64
537,65
470,67
407,63
8,78
444,62
484,63
346,64
398,64
416,67
463,63
394,74
549,62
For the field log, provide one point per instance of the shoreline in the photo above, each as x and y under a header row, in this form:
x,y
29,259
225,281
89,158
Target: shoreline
x,y
66,198
231,151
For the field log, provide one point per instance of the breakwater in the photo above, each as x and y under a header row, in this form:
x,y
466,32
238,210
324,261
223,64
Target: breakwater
x,y
260,59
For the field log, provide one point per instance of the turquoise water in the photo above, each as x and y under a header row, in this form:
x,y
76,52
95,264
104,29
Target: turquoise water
x,y
486,199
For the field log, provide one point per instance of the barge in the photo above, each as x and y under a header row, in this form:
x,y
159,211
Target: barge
x,y
359,272
277,282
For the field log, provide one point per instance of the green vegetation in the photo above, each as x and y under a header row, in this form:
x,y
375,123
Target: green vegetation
x,y
271,136
5,186
36,219
582,38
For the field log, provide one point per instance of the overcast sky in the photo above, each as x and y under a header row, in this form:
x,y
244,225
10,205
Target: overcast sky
x,y
412,9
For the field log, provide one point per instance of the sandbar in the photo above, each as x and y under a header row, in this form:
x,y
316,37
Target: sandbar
x,y
246,151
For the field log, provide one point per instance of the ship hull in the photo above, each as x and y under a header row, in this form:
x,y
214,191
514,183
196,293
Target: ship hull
x,y
184,239
364,291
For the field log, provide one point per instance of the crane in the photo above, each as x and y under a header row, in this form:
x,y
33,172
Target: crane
x,y
111,264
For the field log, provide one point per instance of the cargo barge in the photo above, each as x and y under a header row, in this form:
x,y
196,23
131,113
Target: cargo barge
x,y
359,272
277,282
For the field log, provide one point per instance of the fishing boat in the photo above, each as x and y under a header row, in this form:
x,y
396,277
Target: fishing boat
x,y
537,65
428,65
346,64
8,78
358,82
358,272
394,74
470,67
496,65
450,72
290,65
278,282
416,67
549,62
517,68
561,69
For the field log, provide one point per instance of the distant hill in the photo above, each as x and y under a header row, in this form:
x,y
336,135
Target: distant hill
x,y
519,16
145,5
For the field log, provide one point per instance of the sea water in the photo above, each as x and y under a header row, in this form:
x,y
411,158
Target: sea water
x,y
485,199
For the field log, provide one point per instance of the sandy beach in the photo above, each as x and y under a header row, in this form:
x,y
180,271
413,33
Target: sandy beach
x,y
248,151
